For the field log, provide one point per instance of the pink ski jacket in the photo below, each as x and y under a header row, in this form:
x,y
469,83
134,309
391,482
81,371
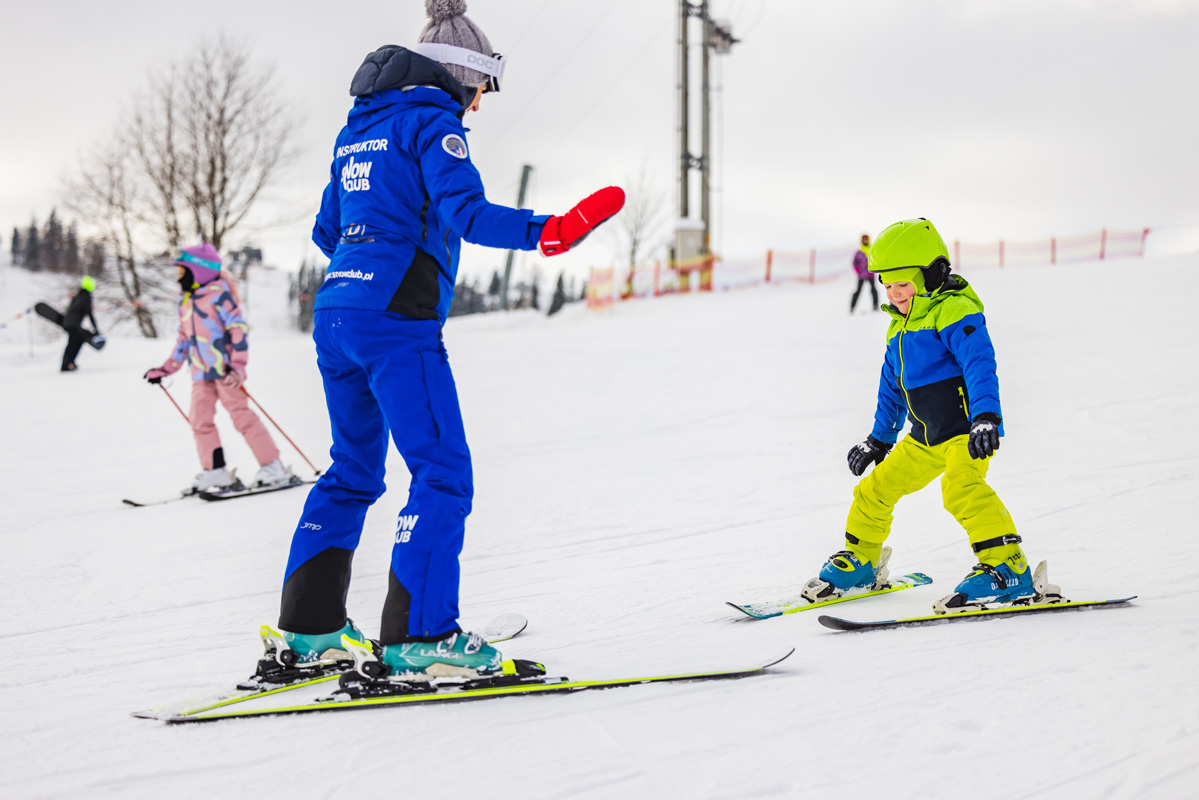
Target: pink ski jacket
x,y
212,334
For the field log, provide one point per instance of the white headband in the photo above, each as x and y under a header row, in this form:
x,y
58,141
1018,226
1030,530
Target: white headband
x,y
449,54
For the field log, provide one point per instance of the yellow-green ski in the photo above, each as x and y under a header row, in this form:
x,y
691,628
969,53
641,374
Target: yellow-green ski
x,y
791,605
435,694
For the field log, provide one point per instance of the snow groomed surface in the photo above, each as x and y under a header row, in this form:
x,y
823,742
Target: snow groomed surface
x,y
634,469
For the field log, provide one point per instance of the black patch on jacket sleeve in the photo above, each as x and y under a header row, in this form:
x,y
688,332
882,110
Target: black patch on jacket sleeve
x,y
969,329
419,292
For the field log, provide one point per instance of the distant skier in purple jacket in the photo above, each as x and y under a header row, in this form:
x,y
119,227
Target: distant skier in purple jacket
x,y
860,260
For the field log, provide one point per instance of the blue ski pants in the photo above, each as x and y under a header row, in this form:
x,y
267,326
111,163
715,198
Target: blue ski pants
x,y
384,373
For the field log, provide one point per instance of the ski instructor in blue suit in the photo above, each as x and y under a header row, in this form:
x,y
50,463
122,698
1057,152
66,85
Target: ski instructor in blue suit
x,y
402,195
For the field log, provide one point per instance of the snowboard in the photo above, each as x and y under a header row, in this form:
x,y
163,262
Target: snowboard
x,y
44,311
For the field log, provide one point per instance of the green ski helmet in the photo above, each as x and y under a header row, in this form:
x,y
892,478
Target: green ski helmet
x,y
88,284
915,247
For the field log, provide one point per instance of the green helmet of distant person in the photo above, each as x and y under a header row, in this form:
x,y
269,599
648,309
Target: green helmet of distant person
x,y
88,284
910,251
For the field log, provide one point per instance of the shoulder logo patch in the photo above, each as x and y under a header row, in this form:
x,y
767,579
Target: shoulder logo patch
x,y
454,145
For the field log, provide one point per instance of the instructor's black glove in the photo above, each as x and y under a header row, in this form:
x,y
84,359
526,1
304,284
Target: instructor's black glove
x,y
871,451
984,435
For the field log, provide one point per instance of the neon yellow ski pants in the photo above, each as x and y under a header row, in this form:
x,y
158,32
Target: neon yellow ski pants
x,y
909,468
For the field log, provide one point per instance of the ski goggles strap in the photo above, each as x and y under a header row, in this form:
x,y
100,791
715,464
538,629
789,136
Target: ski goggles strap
x,y
492,66
179,254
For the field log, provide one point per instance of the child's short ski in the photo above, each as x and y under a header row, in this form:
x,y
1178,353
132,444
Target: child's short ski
x,y
838,624
350,698
790,605
240,490
143,503
500,629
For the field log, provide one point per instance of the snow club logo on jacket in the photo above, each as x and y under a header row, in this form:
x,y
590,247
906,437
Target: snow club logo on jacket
x,y
402,175
355,176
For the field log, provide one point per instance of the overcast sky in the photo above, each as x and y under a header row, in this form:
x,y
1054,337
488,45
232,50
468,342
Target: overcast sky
x,y
994,118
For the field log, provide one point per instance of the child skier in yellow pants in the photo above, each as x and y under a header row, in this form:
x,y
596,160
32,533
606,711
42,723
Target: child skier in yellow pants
x,y
939,369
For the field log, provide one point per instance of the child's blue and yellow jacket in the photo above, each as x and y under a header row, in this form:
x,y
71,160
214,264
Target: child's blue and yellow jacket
x,y
939,367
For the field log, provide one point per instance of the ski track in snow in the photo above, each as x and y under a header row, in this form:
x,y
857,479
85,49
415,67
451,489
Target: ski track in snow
x,y
635,470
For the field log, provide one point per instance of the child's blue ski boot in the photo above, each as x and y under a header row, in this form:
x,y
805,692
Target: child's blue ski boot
x,y
1001,578
847,570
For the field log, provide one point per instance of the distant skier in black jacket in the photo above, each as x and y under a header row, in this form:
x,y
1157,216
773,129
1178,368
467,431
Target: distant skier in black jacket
x,y
72,321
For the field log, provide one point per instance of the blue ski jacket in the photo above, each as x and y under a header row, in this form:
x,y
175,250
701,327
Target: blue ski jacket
x,y
403,193
939,367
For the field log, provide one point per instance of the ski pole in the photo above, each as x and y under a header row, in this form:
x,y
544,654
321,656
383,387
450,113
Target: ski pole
x,y
285,436
176,405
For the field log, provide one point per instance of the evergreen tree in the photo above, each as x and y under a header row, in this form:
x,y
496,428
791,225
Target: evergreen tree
x,y
32,258
559,297
52,244
94,258
70,251
16,246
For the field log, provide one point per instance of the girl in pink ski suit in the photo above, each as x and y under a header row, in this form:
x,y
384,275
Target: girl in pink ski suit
x,y
212,339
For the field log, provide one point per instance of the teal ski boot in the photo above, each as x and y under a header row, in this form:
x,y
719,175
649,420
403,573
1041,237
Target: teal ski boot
x,y
458,655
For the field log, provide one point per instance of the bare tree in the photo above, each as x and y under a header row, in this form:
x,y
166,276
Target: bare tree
x,y
210,136
640,219
200,146
103,192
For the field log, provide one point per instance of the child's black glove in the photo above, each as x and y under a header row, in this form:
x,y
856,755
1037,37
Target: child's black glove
x,y
984,435
871,451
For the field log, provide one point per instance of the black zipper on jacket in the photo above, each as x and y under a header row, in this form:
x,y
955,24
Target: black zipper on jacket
x,y
424,223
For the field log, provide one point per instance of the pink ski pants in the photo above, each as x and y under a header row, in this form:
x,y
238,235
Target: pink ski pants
x,y
203,410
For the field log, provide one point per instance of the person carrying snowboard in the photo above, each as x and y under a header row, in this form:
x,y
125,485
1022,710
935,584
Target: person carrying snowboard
x,y
939,370
212,339
72,322
861,261
402,195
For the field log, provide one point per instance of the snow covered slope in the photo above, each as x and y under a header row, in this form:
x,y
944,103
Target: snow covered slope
x,y
636,469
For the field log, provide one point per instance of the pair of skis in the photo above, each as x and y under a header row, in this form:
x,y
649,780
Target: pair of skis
x,y
356,693
238,489
256,698
797,603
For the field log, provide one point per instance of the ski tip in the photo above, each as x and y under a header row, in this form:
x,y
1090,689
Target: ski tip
x,y
504,627
132,503
837,623
748,611
780,659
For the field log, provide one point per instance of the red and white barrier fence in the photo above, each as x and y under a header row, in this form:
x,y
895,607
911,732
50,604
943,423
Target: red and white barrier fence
x,y
1097,246
818,265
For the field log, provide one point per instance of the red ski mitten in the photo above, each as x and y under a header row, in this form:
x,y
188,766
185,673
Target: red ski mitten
x,y
564,232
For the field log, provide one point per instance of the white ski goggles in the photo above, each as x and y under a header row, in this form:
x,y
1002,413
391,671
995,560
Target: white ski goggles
x,y
492,66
